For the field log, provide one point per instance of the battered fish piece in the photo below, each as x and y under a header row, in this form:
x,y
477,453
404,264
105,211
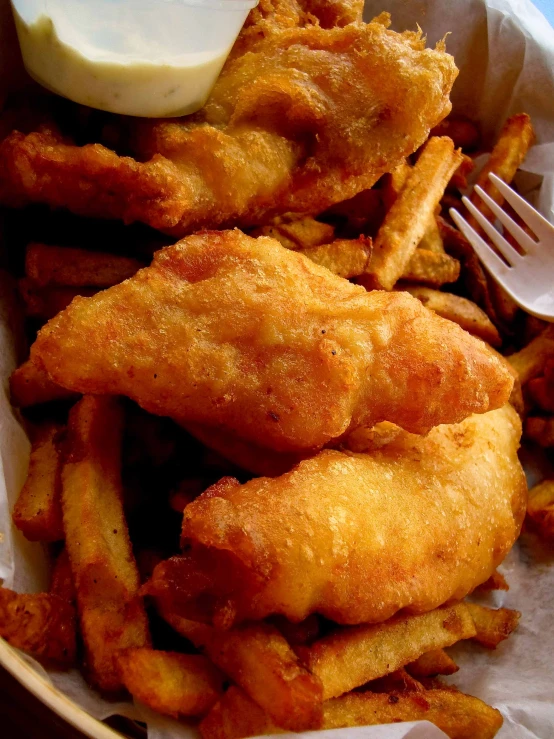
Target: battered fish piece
x,y
356,537
246,336
302,116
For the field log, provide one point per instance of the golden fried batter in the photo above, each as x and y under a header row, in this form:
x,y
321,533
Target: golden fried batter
x,y
301,117
357,537
247,336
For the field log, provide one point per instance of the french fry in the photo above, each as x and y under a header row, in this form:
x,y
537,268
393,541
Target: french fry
x,y
63,266
41,624
529,362
355,655
459,178
508,154
496,581
540,509
399,681
111,611
30,385
61,581
393,183
492,625
170,683
459,716
408,218
45,303
463,132
299,233
431,268
259,659
541,393
430,664
37,512
363,213
235,716
540,430
460,310
345,257
432,239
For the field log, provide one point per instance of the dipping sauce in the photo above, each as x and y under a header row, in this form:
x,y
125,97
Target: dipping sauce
x,y
147,58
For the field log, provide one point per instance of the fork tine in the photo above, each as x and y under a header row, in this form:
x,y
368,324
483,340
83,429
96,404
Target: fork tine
x,y
490,259
506,249
522,238
536,222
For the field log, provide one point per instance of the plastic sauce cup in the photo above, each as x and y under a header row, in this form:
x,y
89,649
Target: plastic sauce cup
x,y
148,58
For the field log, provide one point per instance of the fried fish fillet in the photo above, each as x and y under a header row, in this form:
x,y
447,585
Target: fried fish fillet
x,y
356,537
301,117
246,336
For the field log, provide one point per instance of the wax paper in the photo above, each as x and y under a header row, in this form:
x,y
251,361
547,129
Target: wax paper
x,y
505,51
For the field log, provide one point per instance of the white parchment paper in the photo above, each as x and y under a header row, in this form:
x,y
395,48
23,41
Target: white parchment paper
x,y
505,51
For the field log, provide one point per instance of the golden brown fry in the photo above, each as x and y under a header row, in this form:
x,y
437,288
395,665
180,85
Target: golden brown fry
x,y
292,557
540,509
459,178
62,266
236,716
431,268
459,716
430,664
408,219
308,117
353,656
432,239
37,512
463,132
507,156
170,683
260,660
300,233
111,611
460,310
344,257
30,385
292,331
492,625
61,581
393,183
398,681
529,362
540,430
41,624
496,581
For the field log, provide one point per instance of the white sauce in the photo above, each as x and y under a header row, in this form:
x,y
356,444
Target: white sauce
x,y
116,82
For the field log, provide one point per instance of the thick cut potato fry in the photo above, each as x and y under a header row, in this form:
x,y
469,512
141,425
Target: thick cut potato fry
x,y
106,578
171,683
431,268
460,310
407,220
492,625
63,266
235,716
432,239
353,656
41,624
506,157
345,257
540,430
30,385
394,182
530,361
429,664
38,512
260,660
540,508
496,581
459,716
44,303
301,233
459,178
398,681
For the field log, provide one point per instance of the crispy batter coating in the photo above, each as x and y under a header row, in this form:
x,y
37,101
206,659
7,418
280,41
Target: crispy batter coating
x,y
246,336
414,524
302,116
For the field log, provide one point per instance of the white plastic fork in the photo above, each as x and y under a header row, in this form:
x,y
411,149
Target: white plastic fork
x,y
528,277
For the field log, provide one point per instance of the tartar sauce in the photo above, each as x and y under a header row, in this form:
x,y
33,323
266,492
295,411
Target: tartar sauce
x,y
116,82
